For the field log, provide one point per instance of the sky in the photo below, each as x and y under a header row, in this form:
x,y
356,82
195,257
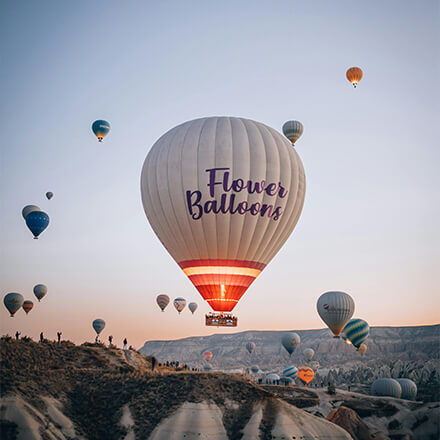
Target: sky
x,y
369,226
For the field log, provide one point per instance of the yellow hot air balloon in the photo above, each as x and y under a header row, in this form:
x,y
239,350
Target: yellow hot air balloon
x,y
362,349
223,194
354,75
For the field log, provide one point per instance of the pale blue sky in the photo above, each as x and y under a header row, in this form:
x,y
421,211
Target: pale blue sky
x,y
370,220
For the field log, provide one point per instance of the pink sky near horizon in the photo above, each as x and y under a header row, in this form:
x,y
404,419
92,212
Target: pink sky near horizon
x,y
370,221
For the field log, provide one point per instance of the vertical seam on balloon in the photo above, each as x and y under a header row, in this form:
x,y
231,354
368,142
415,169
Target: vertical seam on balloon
x,y
182,236
197,250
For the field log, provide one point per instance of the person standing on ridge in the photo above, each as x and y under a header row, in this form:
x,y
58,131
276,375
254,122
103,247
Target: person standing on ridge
x,y
59,337
41,337
110,340
17,335
125,344
153,363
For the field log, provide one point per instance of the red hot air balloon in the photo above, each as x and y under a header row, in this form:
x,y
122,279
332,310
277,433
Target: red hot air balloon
x,y
306,375
208,356
27,306
223,195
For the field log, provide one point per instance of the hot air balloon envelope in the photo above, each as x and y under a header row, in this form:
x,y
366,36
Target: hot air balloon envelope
x,y
306,374
354,75
335,309
40,290
13,302
27,306
208,356
293,130
357,331
28,209
98,325
101,129
290,341
308,354
386,387
37,222
192,307
162,301
223,194
179,304
291,371
250,347
409,388
49,195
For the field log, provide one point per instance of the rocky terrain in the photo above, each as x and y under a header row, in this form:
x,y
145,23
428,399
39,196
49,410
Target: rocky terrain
x,y
64,391
412,352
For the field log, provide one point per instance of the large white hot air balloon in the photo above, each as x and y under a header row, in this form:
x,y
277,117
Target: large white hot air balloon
x,y
335,309
223,194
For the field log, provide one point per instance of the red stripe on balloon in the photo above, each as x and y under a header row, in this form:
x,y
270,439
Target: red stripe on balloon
x,y
222,262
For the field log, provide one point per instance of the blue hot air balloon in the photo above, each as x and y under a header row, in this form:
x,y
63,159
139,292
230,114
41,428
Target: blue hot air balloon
x,y
37,222
357,331
101,129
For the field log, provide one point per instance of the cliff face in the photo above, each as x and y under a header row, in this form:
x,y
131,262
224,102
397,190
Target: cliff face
x,y
384,344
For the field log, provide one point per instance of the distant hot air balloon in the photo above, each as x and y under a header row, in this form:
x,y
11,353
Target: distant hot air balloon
x,y
98,325
290,341
335,309
293,130
27,306
28,209
250,347
100,128
272,378
37,222
40,290
315,365
49,195
207,368
306,375
354,75
291,371
386,387
162,301
357,331
179,304
207,355
362,349
255,369
13,302
409,388
287,380
223,194
308,354
192,307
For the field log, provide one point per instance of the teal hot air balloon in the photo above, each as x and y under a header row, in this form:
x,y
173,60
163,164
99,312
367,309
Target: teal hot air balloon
x,y
293,130
40,290
37,222
255,369
100,128
13,302
357,331
291,371
98,325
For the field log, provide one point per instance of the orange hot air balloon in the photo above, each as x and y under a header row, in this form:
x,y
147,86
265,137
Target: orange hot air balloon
x,y
354,75
223,194
208,356
306,375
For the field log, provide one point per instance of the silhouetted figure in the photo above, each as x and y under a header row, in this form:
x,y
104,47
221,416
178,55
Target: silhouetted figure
x,y
110,340
59,337
125,344
41,337
17,335
153,363
96,339
349,387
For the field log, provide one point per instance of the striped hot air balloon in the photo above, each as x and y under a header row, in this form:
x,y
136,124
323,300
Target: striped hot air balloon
x,y
223,194
386,387
409,388
306,375
354,75
27,306
162,301
291,371
293,130
357,331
